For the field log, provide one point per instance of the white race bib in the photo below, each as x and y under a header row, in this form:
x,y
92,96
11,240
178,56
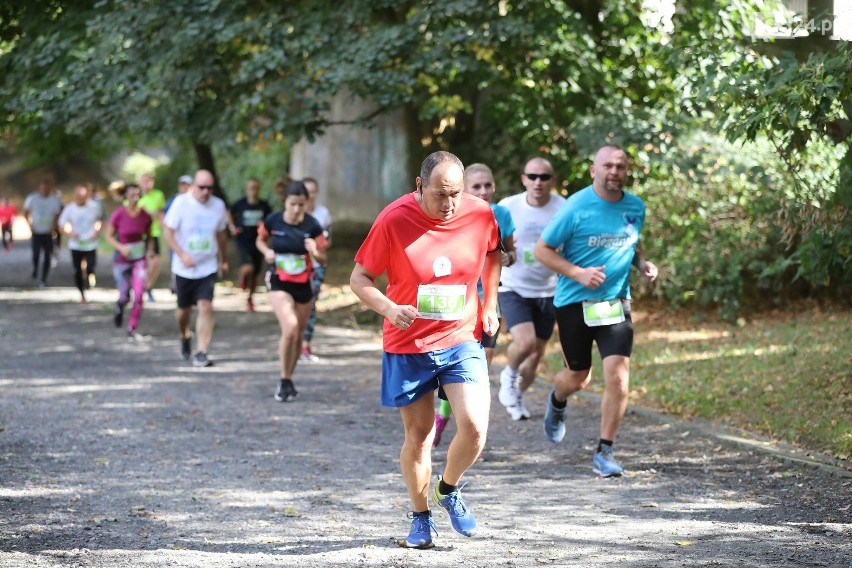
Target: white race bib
x,y
529,258
137,250
291,263
199,244
607,312
441,302
251,217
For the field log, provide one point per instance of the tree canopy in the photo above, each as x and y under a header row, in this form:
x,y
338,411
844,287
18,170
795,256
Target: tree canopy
x,y
546,77
492,80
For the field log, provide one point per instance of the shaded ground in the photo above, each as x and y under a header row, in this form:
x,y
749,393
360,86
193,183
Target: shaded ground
x,y
119,454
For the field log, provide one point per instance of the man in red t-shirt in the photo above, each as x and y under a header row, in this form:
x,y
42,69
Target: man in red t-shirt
x,y
434,244
7,219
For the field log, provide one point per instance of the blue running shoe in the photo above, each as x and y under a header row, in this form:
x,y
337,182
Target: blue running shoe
x,y
554,421
461,518
604,463
422,527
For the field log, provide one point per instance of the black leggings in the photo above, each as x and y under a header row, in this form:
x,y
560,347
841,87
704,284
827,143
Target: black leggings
x,y
7,235
42,242
77,258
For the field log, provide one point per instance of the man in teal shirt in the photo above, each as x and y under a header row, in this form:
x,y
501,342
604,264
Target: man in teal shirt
x,y
598,231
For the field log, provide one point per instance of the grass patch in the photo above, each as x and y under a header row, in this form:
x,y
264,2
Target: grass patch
x,y
787,376
784,376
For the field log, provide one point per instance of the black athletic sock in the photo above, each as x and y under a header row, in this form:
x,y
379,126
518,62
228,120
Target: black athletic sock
x,y
427,512
556,403
604,443
446,488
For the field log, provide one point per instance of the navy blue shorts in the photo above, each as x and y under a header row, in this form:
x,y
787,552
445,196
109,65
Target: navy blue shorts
x,y
248,254
576,337
407,377
517,309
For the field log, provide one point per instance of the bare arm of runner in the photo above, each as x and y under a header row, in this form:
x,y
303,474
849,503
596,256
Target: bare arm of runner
x,y
363,284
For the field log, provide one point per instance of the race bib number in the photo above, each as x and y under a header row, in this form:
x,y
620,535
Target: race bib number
x,y
607,312
251,217
85,244
290,263
199,244
137,250
529,257
441,302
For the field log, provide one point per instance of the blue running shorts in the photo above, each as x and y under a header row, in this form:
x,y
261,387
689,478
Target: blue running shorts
x,y
406,377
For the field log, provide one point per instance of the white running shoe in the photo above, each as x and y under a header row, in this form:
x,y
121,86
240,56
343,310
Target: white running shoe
x,y
509,394
523,408
516,412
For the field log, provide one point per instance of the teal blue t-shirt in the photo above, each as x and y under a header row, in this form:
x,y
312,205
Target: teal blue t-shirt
x,y
504,220
507,229
594,232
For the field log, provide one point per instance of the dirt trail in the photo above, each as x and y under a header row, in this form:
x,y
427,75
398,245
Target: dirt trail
x,y
117,454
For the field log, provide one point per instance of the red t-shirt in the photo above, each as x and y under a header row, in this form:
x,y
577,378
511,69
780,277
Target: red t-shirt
x,y
415,250
7,214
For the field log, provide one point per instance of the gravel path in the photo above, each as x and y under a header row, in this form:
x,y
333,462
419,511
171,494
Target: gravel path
x,y
120,454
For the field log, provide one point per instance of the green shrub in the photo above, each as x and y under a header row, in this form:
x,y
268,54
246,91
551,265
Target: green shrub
x,y
729,229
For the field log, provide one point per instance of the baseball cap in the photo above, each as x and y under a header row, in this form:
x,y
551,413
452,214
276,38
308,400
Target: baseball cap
x,y
185,179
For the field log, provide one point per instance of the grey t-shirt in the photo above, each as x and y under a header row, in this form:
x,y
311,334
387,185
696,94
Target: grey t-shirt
x,y
43,211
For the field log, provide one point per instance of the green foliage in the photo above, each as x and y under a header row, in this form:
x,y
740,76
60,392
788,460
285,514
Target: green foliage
x,y
576,82
784,376
237,162
137,164
493,81
724,234
800,103
166,175
710,225
266,162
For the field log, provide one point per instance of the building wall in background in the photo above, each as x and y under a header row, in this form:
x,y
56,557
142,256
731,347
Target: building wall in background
x,y
360,169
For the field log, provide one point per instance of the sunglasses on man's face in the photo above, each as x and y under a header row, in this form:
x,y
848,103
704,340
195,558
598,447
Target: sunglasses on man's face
x,y
542,177
205,187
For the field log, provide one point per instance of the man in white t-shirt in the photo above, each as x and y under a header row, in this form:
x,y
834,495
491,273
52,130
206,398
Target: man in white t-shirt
x,y
527,286
82,221
41,209
195,228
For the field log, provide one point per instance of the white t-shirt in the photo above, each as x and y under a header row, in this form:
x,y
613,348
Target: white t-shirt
x,y
195,225
43,211
82,221
322,214
528,277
